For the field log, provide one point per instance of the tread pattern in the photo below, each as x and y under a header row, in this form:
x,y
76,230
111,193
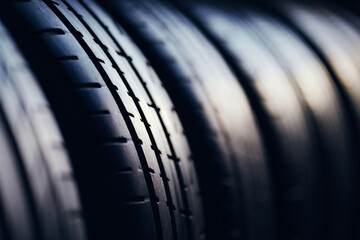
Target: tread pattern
x,y
160,102
37,178
201,86
146,158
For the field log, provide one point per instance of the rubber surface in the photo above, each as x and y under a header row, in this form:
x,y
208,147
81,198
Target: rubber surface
x,y
136,176
38,194
288,116
317,24
330,117
340,53
218,120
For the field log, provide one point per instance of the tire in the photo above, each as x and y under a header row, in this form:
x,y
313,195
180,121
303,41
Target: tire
x,y
134,166
331,120
38,193
340,56
285,117
217,118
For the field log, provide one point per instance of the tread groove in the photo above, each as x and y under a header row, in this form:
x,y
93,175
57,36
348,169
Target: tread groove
x,y
142,115
79,37
121,52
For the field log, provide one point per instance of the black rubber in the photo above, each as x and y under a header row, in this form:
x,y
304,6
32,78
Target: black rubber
x,y
287,119
217,118
339,55
134,166
38,194
330,118
316,24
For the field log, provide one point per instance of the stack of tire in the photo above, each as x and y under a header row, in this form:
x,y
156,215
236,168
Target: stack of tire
x,y
179,120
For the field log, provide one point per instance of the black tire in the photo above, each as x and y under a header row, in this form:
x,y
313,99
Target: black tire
x,y
285,118
216,115
331,120
340,55
316,24
136,176
38,194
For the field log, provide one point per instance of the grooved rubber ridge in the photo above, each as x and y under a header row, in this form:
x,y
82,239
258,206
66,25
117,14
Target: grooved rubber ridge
x,y
224,138
133,163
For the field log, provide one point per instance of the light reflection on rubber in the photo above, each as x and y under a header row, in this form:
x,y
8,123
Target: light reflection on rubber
x,y
333,34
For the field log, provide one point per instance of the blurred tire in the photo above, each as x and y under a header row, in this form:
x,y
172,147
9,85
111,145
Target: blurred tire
x,y
38,194
285,116
333,36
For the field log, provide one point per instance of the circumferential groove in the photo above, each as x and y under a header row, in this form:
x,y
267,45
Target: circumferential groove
x,y
137,142
178,170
